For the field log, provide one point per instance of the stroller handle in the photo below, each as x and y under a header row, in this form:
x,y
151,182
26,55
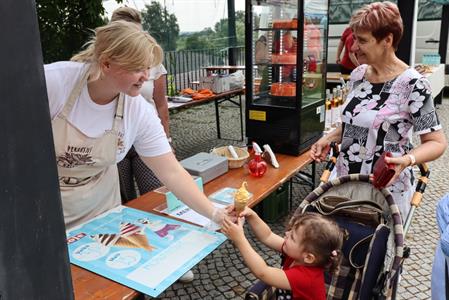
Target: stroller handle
x,y
331,163
420,186
417,195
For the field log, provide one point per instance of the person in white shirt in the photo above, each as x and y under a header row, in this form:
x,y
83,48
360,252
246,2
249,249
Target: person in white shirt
x,y
98,114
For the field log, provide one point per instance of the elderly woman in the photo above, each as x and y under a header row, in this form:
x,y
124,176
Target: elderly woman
x,y
387,102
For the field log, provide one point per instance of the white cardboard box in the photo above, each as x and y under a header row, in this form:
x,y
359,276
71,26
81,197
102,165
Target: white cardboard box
x,y
215,83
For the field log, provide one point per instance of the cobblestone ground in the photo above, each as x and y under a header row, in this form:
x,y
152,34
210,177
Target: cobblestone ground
x,y
223,275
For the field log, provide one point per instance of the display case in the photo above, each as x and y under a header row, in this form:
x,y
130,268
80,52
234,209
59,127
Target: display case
x,y
286,42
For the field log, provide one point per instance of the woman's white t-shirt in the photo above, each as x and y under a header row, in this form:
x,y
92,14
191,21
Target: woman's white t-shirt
x,y
140,126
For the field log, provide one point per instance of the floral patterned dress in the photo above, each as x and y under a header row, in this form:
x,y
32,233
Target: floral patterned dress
x,y
379,117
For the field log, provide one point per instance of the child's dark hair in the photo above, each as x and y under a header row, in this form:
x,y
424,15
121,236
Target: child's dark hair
x,y
320,236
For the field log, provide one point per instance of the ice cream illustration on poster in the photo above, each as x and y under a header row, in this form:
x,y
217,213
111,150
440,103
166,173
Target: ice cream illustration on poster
x,y
143,251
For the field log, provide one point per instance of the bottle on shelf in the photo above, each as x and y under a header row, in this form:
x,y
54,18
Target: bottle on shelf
x,y
328,115
343,82
334,109
341,101
344,93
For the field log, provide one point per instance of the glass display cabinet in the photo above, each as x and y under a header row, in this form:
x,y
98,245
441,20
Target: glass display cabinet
x,y
286,42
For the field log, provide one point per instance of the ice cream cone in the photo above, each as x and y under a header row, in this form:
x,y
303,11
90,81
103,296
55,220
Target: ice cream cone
x,y
141,241
239,206
105,239
125,243
241,198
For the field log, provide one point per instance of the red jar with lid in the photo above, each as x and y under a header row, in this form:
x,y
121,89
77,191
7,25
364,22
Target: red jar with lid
x,y
257,166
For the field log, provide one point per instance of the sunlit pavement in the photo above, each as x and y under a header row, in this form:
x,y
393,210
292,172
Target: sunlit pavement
x,y
223,275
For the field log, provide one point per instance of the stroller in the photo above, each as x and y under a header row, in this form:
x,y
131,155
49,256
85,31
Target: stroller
x,y
374,251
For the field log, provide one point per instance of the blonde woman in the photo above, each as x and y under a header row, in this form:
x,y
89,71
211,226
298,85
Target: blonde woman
x,y
132,169
98,114
154,89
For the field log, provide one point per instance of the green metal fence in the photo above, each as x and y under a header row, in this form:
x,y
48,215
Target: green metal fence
x,y
187,66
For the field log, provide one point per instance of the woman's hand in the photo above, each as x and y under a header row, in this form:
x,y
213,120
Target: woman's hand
x,y
219,215
230,213
234,231
400,163
320,149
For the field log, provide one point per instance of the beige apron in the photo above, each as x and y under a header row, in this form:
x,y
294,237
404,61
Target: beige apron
x,y
87,168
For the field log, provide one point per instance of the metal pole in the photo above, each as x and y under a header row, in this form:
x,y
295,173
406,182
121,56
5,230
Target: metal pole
x,y
232,39
442,50
407,10
408,220
33,248
167,28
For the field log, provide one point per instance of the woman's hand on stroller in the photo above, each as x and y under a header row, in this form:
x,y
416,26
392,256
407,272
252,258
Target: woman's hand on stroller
x,y
234,231
320,149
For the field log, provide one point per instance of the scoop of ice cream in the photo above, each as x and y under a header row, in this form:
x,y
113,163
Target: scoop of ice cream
x,y
242,194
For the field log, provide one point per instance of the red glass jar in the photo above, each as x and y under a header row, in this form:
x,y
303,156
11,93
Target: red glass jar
x,y
257,166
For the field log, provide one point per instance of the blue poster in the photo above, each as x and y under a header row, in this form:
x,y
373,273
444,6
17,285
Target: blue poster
x,y
143,251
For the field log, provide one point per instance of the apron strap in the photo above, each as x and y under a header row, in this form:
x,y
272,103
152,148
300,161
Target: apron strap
x,y
75,93
119,111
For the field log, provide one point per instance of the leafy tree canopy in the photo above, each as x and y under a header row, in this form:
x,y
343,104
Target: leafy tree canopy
x,y
65,25
214,38
162,25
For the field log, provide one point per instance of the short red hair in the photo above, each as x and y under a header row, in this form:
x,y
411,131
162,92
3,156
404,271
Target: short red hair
x,y
381,19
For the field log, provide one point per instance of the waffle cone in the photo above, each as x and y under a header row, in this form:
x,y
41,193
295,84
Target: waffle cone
x,y
240,206
125,243
141,241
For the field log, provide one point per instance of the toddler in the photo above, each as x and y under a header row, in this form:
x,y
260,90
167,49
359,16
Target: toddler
x,y
311,245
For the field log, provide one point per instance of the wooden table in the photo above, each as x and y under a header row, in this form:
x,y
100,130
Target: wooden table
x,y
218,99
88,285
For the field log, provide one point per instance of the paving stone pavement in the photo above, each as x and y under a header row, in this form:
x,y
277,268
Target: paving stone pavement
x,y
223,275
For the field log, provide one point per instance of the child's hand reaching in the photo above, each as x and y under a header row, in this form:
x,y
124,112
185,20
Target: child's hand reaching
x,y
234,231
247,213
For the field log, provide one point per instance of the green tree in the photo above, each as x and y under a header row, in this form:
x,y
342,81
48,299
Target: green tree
x,y
162,25
221,30
216,37
199,40
65,25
